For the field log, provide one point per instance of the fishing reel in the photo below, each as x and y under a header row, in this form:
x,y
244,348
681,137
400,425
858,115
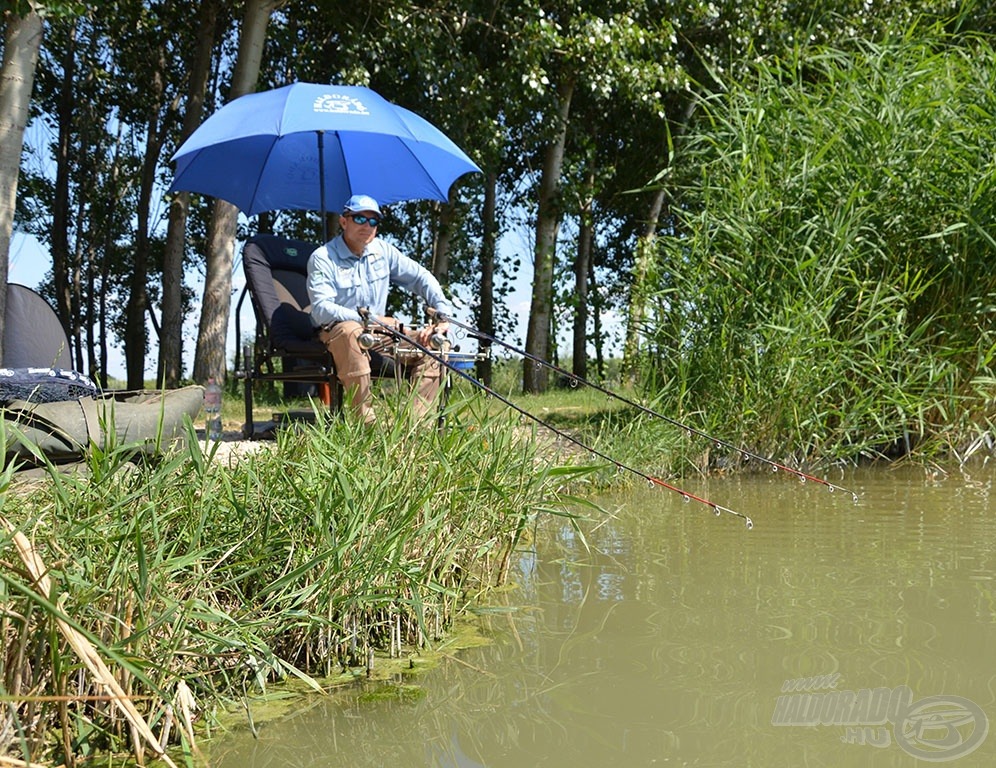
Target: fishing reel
x,y
439,342
366,339
372,335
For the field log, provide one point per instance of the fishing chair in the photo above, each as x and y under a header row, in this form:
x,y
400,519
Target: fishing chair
x,y
287,348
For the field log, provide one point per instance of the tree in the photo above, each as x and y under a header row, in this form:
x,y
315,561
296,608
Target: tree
x,y
539,333
23,31
108,89
600,60
151,61
171,339
209,359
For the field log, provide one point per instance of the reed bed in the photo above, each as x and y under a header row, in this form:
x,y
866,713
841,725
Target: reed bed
x,y
827,291
199,584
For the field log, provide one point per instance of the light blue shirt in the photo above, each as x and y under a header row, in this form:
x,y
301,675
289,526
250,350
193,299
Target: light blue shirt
x,y
339,282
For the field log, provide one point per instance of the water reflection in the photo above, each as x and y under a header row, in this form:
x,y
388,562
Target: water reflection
x,y
665,635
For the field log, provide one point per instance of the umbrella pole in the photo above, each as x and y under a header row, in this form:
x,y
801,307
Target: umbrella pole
x,y
321,184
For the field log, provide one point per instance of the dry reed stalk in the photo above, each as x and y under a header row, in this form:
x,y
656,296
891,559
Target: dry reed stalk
x,y
67,742
186,704
83,647
15,763
167,726
71,698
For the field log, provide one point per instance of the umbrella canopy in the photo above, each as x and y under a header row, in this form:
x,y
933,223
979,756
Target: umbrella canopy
x,y
310,147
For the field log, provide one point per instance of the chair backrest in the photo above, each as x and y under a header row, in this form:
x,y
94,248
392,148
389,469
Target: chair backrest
x,y
33,337
276,270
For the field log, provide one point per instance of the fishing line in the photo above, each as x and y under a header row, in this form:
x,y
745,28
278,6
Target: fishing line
x,y
803,476
718,509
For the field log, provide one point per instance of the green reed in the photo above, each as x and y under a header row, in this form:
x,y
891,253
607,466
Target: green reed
x,y
829,289
300,559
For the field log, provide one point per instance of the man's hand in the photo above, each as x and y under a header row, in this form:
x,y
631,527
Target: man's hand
x,y
424,335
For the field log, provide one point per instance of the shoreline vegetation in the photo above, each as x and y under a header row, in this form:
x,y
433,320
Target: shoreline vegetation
x,y
192,584
204,585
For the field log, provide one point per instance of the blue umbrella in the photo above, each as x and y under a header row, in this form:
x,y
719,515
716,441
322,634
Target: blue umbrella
x,y
310,147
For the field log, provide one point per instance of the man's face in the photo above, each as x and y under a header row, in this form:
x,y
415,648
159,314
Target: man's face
x,y
356,234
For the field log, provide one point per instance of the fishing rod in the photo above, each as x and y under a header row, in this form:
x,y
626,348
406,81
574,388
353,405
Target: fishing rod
x,y
775,466
439,355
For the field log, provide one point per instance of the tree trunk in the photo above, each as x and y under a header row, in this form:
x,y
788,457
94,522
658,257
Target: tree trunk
x,y
171,339
22,41
77,324
596,306
538,332
489,239
170,369
582,263
60,204
212,333
441,244
102,318
135,334
91,327
99,351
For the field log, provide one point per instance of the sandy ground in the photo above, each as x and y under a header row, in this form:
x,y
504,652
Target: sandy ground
x,y
233,445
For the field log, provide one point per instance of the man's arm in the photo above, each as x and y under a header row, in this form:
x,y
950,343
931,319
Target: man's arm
x,y
409,274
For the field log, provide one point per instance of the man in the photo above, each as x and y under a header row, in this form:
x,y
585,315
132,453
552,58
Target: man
x,y
354,271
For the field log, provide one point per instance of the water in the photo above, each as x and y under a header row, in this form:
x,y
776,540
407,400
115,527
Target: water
x,y
662,635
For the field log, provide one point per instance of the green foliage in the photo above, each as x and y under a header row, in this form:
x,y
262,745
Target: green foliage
x,y
112,83
49,9
830,286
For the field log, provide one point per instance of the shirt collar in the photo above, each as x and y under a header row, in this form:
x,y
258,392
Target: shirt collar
x,y
342,253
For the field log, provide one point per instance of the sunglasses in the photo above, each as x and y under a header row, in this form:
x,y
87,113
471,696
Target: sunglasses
x,y
373,221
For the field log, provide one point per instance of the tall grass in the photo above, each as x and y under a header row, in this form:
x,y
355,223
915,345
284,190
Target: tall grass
x,y
299,560
830,287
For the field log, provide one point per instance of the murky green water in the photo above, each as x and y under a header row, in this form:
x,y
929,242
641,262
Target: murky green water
x,y
665,636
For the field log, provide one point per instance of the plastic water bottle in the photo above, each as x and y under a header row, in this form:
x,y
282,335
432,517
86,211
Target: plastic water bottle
x,y
212,407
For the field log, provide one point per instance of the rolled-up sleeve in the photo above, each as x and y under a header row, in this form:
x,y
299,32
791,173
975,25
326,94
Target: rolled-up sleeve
x,y
409,274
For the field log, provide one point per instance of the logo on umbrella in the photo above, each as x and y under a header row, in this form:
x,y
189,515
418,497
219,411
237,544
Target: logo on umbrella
x,y
337,104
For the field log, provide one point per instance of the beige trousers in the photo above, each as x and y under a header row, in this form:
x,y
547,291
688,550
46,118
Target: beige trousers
x,y
352,365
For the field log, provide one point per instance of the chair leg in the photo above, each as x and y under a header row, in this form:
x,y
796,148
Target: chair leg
x,y
444,400
335,395
249,428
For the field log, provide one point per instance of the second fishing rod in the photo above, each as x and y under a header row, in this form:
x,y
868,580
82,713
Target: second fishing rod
x,y
438,353
774,465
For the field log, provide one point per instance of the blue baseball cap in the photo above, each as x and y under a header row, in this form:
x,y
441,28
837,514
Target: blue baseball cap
x,y
358,203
